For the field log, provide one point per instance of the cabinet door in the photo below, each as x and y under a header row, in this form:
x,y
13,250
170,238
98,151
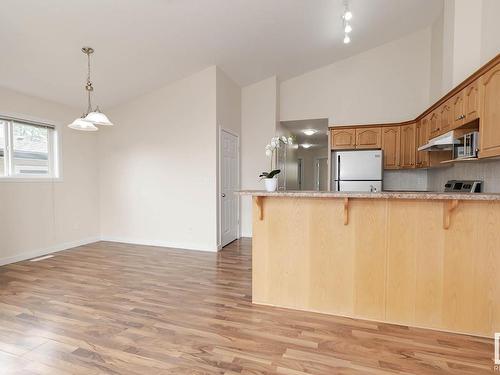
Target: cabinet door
x,y
368,138
471,102
458,110
391,145
434,124
343,139
445,117
421,136
489,126
408,146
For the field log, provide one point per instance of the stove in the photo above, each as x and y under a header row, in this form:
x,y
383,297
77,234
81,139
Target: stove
x,y
464,186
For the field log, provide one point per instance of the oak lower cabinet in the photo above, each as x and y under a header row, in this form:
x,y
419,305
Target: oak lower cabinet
x,y
368,138
391,145
342,139
408,146
489,127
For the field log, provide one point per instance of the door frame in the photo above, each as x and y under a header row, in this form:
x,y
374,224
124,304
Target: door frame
x,y
219,183
316,171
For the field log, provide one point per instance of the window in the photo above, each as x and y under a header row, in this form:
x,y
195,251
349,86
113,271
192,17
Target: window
x,y
27,149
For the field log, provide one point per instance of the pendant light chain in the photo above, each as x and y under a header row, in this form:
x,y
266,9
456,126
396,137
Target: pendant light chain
x,y
89,86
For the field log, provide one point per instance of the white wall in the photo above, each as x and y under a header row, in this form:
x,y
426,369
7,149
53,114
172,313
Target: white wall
x,y
40,217
470,39
490,41
228,103
466,39
389,83
258,125
436,79
158,168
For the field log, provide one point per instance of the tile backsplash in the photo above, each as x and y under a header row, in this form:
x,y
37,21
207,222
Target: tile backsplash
x,y
485,170
415,179
434,179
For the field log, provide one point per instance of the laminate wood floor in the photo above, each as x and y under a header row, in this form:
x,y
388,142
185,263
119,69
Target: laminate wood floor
x,y
110,308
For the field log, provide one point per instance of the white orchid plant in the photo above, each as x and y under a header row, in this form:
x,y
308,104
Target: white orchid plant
x,y
271,148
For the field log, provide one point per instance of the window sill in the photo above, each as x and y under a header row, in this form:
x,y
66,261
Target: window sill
x,y
31,179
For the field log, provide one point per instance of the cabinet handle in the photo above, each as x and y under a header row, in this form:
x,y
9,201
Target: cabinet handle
x,y
461,117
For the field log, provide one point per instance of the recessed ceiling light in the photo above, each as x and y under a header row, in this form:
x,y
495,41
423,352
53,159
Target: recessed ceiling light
x,y
306,145
309,131
347,40
348,28
348,15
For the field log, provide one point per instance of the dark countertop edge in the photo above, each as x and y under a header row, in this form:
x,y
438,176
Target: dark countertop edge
x,y
379,195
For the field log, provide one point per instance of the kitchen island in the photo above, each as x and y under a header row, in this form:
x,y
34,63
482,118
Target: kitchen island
x,y
427,260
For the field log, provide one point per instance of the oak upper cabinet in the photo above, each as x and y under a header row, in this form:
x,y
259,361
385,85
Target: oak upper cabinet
x,y
489,126
434,124
458,109
445,117
421,138
391,145
408,146
368,137
471,102
343,139
465,105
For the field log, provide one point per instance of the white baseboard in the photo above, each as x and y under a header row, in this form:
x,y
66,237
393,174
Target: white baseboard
x,y
47,250
175,245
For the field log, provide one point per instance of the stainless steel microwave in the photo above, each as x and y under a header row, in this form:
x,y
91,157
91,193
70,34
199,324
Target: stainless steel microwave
x,y
471,145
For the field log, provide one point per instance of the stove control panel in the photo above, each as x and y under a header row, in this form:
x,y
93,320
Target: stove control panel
x,y
464,186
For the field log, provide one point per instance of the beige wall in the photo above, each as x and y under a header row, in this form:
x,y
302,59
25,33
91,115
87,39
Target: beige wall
x,y
258,126
41,217
158,169
389,83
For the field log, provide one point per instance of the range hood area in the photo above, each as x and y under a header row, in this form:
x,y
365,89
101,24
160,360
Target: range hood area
x,y
440,143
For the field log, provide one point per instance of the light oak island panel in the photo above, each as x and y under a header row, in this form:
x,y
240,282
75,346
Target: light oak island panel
x,y
393,262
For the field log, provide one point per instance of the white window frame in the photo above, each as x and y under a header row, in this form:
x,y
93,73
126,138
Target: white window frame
x,y
54,150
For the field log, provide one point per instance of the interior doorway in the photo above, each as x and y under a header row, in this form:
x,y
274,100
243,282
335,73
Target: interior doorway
x,y
229,183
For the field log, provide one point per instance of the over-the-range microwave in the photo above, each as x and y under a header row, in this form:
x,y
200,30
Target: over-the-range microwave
x,y
470,146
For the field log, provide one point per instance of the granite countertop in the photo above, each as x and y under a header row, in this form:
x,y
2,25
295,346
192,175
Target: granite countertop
x,y
423,195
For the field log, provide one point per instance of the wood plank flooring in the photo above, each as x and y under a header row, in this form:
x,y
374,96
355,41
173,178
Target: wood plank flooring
x,y
110,308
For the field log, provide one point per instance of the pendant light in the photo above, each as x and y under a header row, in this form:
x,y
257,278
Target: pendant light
x,y
346,17
91,118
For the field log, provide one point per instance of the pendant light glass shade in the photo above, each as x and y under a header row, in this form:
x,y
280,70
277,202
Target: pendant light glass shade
x,y
98,118
81,124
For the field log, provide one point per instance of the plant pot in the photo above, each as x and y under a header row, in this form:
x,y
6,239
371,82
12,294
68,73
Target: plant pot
x,y
271,183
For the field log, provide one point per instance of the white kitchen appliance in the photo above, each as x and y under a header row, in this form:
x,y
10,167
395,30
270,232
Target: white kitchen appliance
x,y
359,170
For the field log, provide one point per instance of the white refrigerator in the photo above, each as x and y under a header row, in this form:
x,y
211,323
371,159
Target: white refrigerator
x,y
360,170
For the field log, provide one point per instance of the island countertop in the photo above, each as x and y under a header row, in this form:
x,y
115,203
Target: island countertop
x,y
413,195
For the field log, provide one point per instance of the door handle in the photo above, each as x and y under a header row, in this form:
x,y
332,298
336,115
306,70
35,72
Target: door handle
x,y
223,195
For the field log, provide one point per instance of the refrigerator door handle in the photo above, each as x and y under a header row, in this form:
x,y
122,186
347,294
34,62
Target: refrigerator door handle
x,y
338,172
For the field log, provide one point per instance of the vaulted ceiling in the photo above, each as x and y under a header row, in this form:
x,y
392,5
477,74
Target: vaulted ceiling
x,y
142,45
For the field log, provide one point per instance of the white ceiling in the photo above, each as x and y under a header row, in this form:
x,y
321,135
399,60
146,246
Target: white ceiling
x,y
319,139
144,44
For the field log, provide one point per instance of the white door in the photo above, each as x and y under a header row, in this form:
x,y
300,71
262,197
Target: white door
x,y
321,174
229,184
